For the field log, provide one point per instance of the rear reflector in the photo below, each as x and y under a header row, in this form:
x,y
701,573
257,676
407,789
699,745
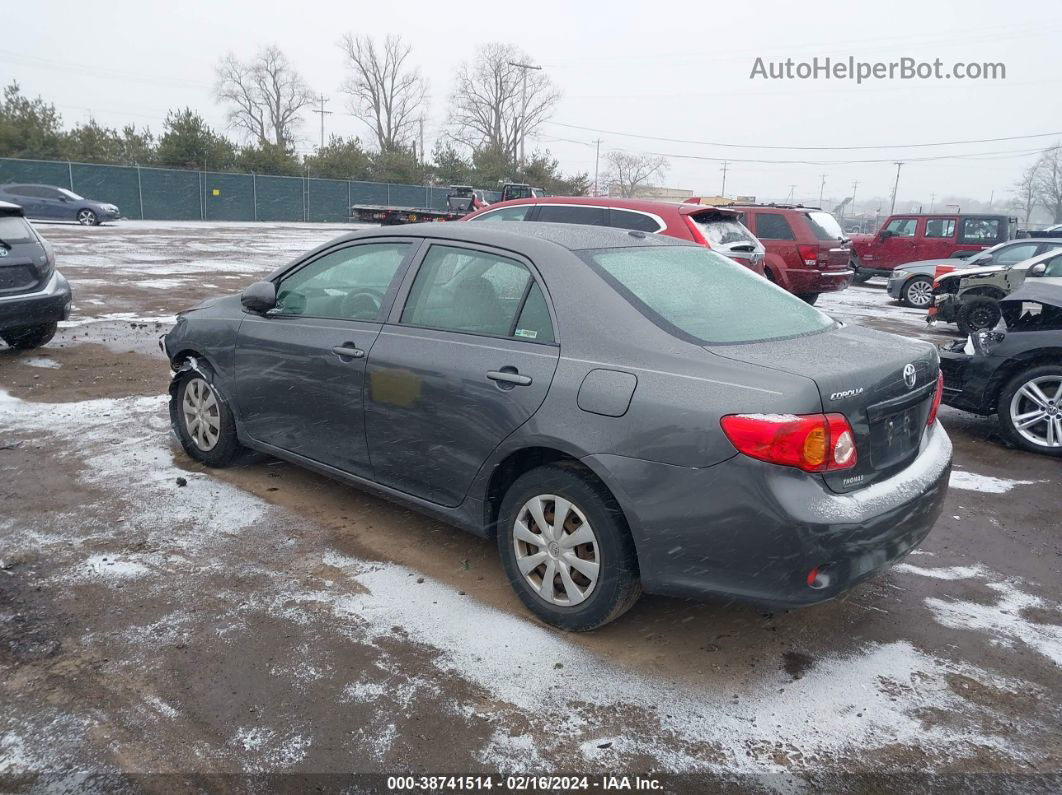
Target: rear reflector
x,y
811,442
695,232
936,398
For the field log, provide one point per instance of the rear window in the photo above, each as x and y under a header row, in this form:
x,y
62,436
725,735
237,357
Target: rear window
x,y
722,230
13,229
517,213
825,226
773,226
704,295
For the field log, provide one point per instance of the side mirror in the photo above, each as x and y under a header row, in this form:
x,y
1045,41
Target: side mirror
x,y
259,297
885,235
64,199
1039,269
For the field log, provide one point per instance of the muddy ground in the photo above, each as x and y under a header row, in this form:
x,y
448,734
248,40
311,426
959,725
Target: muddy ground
x,y
160,618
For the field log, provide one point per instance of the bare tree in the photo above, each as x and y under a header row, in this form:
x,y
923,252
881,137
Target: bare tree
x,y
490,107
1025,190
1049,181
386,92
265,95
629,172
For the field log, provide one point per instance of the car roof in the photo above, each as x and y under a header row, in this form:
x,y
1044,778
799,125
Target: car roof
x,y
7,208
1037,290
645,205
574,237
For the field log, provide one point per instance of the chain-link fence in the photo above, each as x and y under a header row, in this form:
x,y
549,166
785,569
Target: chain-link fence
x,y
167,194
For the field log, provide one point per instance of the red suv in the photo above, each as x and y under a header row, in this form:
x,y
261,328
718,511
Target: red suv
x,y
717,228
807,252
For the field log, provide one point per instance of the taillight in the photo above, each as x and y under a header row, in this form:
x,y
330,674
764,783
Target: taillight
x,y
811,442
810,254
695,232
936,399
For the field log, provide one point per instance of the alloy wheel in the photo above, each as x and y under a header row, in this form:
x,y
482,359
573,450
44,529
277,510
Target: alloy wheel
x,y
202,418
86,217
919,293
1036,411
556,550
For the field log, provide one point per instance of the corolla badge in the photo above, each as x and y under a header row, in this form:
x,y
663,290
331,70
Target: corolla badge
x,y
909,375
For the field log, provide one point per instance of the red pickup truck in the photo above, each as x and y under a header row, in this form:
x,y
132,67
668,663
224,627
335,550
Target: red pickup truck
x,y
913,237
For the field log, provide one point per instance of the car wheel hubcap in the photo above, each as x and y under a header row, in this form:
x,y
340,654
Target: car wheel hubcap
x,y
920,293
1036,411
202,419
556,550
84,217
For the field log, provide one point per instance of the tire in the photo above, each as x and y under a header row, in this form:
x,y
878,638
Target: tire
x,y
810,298
1020,397
213,440
976,313
858,276
25,339
586,603
87,217
917,292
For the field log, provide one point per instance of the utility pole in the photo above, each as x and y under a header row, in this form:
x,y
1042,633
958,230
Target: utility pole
x,y
932,201
722,191
523,105
822,187
423,155
896,186
789,198
322,99
597,163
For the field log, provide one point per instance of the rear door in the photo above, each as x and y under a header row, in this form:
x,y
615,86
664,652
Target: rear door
x,y
776,233
938,238
25,196
300,368
466,358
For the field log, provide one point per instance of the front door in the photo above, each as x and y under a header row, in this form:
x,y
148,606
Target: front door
x,y
300,368
900,244
467,357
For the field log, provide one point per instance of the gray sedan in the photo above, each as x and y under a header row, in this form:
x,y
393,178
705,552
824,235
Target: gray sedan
x,y
49,203
622,411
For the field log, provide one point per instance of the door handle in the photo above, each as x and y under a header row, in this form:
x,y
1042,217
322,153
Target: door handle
x,y
509,375
348,352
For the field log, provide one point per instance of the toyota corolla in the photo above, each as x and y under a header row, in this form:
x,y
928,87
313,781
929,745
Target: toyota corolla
x,y
624,412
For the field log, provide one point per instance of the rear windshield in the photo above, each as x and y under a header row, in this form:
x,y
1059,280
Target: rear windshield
x,y
705,295
825,226
13,229
722,230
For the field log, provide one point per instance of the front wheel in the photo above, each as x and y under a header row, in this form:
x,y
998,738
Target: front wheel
x,y
25,339
917,292
567,550
1030,410
87,217
810,298
977,313
203,422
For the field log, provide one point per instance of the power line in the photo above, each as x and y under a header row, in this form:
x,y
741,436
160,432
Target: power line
x,y
804,148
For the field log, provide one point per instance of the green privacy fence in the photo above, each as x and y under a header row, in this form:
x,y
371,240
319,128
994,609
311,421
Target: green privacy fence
x,y
168,194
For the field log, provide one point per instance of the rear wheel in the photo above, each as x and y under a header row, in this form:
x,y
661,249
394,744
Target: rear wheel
x,y
566,549
87,217
24,339
917,292
977,313
810,298
203,421
858,276
1030,410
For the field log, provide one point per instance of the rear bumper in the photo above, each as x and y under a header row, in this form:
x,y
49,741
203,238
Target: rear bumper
x,y
753,531
809,280
50,304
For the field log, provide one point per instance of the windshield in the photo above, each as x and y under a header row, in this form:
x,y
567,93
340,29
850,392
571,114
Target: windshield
x,y
705,295
14,229
825,226
70,194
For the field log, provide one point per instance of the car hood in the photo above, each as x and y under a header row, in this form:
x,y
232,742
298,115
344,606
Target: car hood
x,y
930,265
972,272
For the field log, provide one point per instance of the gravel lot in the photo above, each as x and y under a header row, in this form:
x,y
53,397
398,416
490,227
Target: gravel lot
x,y
264,619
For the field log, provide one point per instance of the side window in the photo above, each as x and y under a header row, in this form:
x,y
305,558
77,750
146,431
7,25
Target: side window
x,y
940,227
1054,266
517,213
1013,254
773,226
628,219
559,214
347,284
478,292
902,227
979,230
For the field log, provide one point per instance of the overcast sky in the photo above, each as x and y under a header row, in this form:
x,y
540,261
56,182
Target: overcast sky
x,y
675,70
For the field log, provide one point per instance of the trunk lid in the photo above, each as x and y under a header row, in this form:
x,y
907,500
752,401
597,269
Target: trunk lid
x,y
834,253
25,264
860,373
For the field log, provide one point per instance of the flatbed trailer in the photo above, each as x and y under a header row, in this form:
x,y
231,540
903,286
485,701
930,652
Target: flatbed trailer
x,y
390,216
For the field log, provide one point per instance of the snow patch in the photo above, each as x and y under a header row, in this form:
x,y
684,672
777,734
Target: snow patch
x,y
944,572
985,483
42,361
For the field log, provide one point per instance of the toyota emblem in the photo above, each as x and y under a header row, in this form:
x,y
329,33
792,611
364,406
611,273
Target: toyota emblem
x,y
909,376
